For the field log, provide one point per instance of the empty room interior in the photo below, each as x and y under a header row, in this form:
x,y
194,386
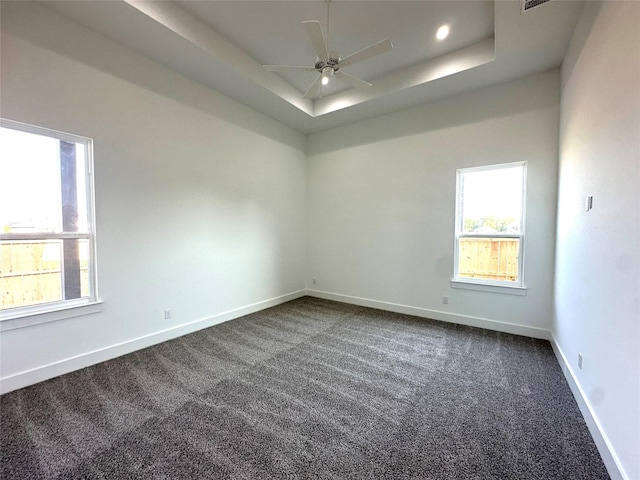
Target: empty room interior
x,y
310,239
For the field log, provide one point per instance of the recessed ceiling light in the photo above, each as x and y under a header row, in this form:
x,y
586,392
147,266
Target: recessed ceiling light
x,y
442,32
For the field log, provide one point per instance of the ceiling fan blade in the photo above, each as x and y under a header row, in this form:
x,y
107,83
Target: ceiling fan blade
x,y
314,30
368,52
313,89
351,80
282,68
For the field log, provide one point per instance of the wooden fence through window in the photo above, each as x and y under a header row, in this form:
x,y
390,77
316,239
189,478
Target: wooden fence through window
x,y
489,258
31,273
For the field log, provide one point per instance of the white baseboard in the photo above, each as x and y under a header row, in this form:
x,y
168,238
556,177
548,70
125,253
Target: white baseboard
x,y
45,372
608,454
436,315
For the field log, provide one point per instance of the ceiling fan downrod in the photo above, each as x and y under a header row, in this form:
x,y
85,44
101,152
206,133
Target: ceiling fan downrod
x,y
328,2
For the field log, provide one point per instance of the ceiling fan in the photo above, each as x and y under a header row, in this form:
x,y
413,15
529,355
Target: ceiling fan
x,y
328,63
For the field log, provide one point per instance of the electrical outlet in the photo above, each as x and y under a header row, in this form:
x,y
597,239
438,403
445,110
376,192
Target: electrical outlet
x,y
167,314
314,281
445,300
579,360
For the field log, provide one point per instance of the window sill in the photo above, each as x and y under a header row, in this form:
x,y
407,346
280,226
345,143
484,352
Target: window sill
x,y
46,314
485,287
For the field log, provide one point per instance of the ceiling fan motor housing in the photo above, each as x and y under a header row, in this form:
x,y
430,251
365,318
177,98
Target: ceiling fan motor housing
x,y
333,62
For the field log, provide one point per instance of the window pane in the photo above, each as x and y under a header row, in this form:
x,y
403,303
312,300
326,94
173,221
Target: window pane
x,y
30,272
42,177
489,258
34,272
492,200
30,182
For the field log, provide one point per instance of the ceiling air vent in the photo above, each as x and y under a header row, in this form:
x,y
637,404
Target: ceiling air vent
x,y
529,4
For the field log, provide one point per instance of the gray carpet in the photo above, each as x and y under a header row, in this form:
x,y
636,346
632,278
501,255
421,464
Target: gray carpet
x,y
308,389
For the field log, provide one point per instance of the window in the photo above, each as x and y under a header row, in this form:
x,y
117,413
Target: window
x,y
47,239
490,205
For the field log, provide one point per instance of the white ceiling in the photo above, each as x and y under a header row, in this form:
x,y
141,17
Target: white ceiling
x,y
223,44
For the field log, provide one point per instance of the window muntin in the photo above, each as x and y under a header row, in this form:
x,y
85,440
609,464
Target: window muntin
x,y
47,239
490,207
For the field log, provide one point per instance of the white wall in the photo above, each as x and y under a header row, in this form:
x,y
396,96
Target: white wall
x,y
381,199
200,201
597,288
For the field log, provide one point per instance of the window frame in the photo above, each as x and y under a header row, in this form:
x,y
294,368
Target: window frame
x,y
92,297
498,286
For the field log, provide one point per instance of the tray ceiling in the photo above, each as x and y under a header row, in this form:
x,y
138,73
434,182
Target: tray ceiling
x,y
223,45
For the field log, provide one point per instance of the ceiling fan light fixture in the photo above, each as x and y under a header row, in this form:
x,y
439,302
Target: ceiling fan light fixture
x,y
327,72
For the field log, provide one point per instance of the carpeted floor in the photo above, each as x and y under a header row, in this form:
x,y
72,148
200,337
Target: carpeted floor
x,y
308,389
